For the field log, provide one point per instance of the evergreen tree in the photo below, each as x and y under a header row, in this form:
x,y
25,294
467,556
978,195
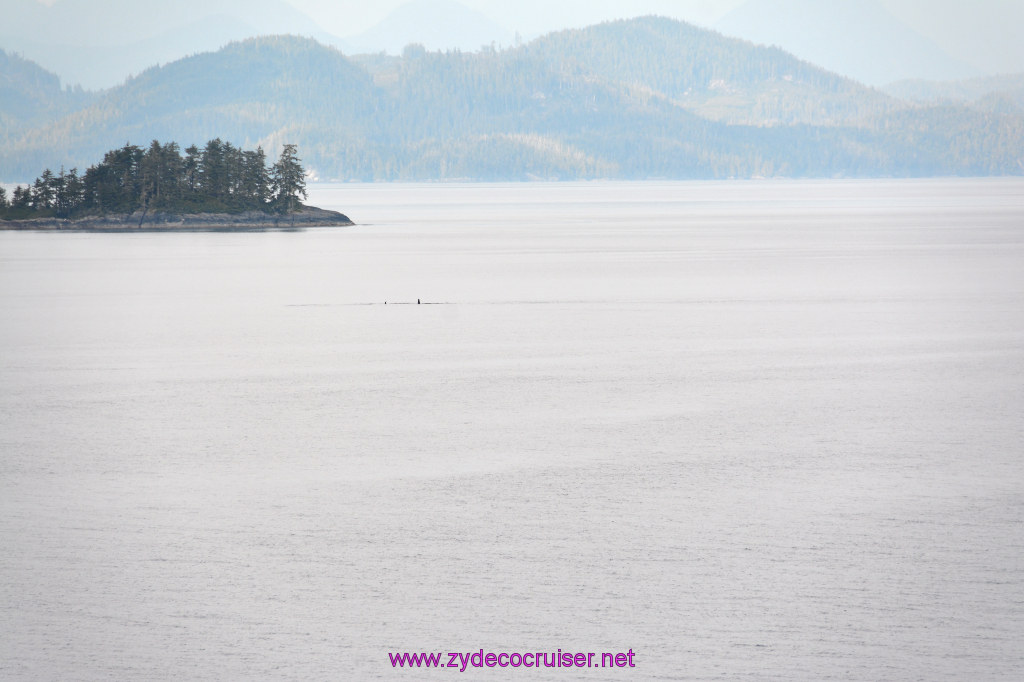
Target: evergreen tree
x,y
289,180
68,192
233,176
213,171
255,184
192,162
149,176
220,177
43,191
171,174
21,198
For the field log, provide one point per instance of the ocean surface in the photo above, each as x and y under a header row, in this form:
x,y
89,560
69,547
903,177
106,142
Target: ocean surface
x,y
749,431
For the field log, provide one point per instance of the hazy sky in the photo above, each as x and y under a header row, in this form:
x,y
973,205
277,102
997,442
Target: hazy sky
x,y
527,16
983,32
935,18
944,17
967,29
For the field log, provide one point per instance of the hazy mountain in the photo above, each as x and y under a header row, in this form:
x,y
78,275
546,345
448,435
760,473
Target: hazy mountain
x,y
98,45
977,91
717,77
32,96
857,38
259,91
643,98
435,24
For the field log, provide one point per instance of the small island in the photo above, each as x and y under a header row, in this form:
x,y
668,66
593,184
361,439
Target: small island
x,y
218,187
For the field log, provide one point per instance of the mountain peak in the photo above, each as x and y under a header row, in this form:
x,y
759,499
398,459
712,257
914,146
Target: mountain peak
x,y
98,45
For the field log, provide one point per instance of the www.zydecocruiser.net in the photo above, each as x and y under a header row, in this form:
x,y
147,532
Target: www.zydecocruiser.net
x,y
558,659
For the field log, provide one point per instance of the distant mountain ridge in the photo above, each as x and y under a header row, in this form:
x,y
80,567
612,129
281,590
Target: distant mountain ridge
x,y
96,47
641,98
714,76
99,44
983,91
31,95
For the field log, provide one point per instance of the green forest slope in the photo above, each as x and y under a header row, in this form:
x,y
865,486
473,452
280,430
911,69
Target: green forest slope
x,y
641,98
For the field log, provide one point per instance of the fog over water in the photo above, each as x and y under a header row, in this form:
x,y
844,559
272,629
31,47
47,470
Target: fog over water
x,y
749,430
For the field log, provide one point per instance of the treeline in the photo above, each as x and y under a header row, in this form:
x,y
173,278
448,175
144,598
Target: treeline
x,y
219,178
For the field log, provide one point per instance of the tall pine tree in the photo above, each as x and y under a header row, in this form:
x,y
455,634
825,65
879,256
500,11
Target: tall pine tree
x,y
289,180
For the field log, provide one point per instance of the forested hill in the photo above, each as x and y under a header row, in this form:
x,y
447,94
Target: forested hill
x,y
31,96
642,98
993,92
713,76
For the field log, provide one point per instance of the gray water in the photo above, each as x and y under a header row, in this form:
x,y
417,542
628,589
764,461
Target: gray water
x,y
762,431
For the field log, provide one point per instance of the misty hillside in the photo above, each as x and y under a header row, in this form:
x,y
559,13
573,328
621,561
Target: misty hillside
x,y
983,92
31,95
641,98
711,75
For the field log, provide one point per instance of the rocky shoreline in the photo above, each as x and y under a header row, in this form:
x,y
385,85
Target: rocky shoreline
x,y
307,216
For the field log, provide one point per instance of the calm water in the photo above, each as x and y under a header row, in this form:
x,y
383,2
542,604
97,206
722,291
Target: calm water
x,y
749,430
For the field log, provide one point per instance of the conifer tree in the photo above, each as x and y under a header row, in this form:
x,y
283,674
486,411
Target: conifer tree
x,y
43,191
289,180
218,177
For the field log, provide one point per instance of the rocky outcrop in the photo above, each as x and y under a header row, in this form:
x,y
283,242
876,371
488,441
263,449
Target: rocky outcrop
x,y
307,216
